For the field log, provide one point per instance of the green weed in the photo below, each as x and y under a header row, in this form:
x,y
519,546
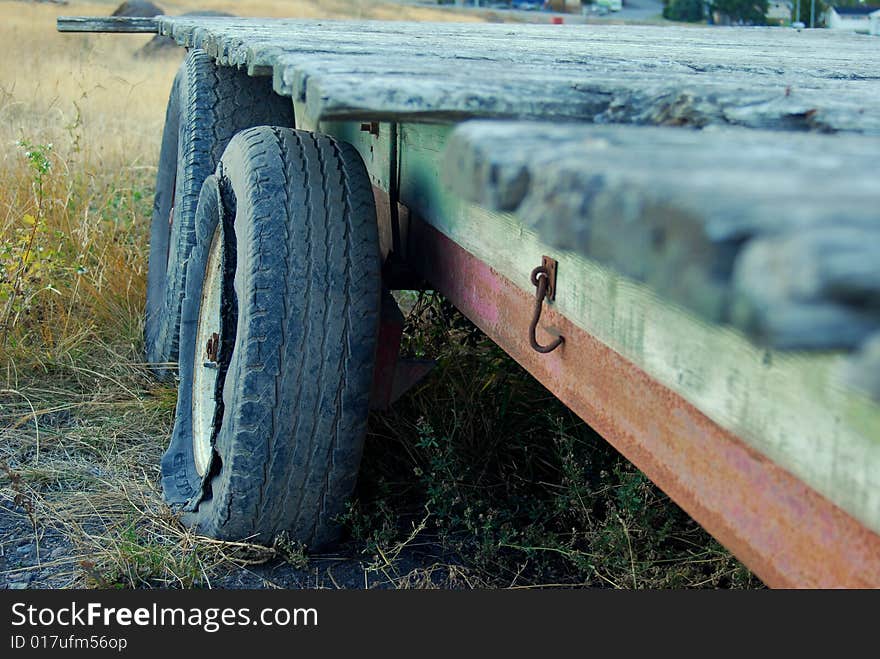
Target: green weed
x,y
504,481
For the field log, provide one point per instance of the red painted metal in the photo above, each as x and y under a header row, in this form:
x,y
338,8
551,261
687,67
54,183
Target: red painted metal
x,y
783,530
387,353
393,375
550,265
408,372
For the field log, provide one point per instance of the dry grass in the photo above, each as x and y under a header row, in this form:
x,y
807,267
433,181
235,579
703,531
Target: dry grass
x,y
101,110
82,425
78,415
359,9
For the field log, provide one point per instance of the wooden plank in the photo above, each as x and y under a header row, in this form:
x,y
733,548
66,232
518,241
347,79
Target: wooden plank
x,y
792,408
120,24
760,78
862,369
777,234
705,50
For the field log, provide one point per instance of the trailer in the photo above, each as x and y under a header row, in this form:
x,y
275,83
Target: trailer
x,y
675,229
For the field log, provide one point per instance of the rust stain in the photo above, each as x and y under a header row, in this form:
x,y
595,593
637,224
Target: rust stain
x,y
387,354
783,530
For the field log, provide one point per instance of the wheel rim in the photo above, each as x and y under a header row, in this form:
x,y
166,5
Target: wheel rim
x,y
205,366
171,219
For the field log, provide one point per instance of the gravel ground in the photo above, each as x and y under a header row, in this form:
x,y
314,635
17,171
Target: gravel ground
x,y
47,559
29,559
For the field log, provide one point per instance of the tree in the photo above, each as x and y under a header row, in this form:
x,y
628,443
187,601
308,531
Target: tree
x,y
691,11
745,12
821,8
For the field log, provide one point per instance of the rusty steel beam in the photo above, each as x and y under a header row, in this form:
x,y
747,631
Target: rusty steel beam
x,y
387,353
783,530
393,375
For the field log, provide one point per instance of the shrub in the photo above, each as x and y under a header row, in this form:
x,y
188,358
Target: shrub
x,y
691,11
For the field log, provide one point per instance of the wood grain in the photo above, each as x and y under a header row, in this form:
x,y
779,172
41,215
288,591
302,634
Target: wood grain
x,y
761,78
127,24
775,233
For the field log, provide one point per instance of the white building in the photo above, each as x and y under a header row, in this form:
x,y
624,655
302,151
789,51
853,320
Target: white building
x,y
853,19
778,12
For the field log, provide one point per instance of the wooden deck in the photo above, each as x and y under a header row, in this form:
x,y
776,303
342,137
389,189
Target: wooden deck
x,y
736,267
683,76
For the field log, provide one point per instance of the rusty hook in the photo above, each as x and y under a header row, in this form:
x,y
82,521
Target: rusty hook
x,y
541,280
213,347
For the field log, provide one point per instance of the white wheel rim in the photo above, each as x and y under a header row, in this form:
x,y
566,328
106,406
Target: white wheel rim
x,y
205,365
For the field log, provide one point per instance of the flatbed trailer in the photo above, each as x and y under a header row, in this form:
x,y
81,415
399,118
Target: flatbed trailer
x,y
676,230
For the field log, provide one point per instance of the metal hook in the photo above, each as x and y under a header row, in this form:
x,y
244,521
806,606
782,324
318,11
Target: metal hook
x,y
541,280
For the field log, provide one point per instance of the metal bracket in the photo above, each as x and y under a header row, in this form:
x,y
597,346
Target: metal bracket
x,y
393,375
550,266
371,127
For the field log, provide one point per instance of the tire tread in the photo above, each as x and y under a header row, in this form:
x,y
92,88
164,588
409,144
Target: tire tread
x,y
298,385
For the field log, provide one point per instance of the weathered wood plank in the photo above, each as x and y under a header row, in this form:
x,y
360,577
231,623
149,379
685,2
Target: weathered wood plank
x,y
777,233
778,79
661,48
816,287
862,370
123,24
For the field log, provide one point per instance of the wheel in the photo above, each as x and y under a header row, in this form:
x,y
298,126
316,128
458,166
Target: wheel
x,y
207,106
278,340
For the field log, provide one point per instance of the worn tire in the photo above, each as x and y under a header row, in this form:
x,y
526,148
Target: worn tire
x,y
305,272
207,106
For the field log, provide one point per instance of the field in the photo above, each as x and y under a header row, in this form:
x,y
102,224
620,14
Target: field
x,y
478,478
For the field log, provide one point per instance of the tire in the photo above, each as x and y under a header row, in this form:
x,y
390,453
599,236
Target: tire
x,y
297,335
207,106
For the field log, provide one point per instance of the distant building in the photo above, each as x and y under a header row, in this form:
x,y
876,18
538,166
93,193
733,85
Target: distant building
x,y
569,6
778,12
853,19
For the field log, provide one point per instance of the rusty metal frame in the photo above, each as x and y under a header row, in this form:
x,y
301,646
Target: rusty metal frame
x,y
550,265
783,530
